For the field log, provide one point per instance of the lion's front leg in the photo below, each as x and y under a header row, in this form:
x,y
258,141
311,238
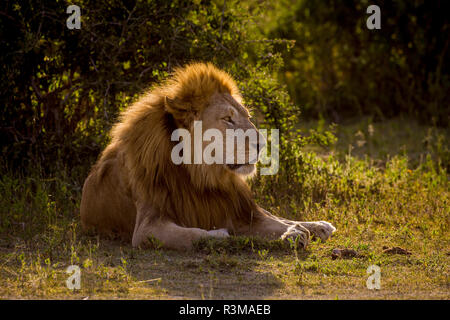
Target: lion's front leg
x,y
168,233
320,229
269,226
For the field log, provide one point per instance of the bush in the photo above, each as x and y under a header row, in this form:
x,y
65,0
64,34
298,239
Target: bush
x,y
63,88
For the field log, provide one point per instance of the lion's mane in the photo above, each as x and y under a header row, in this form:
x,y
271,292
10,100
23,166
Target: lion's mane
x,y
189,195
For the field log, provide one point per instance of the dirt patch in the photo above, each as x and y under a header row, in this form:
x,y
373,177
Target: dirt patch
x,y
344,253
396,250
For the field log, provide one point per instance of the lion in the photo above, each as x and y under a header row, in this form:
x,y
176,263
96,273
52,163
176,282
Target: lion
x,y
137,192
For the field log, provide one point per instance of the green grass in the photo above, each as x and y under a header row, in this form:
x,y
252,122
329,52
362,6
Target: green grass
x,y
391,190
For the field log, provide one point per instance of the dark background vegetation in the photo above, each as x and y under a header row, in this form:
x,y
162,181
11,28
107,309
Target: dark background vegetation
x,y
340,68
62,89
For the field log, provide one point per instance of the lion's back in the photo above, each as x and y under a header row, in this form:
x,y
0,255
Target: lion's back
x,y
106,205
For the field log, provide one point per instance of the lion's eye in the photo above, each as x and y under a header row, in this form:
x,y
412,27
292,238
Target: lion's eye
x,y
228,119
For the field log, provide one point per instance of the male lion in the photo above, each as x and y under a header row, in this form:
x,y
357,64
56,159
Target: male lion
x,y
136,191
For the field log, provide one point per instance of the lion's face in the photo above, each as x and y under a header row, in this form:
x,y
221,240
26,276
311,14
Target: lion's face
x,y
241,143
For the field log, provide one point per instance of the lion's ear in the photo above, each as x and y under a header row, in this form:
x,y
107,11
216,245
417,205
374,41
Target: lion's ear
x,y
175,107
170,105
178,111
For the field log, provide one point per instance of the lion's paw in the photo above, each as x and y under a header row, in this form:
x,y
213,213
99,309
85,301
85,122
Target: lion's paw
x,y
298,234
320,229
219,233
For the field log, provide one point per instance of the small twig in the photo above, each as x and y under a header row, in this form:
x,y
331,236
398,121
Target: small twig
x,y
149,280
36,89
93,63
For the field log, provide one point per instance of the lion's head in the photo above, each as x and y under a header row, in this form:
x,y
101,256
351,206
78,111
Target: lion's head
x,y
190,192
222,138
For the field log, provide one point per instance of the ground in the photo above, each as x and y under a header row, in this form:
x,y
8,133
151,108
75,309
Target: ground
x,y
388,188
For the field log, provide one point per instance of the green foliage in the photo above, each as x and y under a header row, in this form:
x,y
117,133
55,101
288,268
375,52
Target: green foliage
x,y
62,89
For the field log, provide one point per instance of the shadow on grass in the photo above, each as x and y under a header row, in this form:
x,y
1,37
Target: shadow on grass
x,y
232,268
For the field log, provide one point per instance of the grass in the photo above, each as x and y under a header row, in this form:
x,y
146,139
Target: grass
x,y
390,190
